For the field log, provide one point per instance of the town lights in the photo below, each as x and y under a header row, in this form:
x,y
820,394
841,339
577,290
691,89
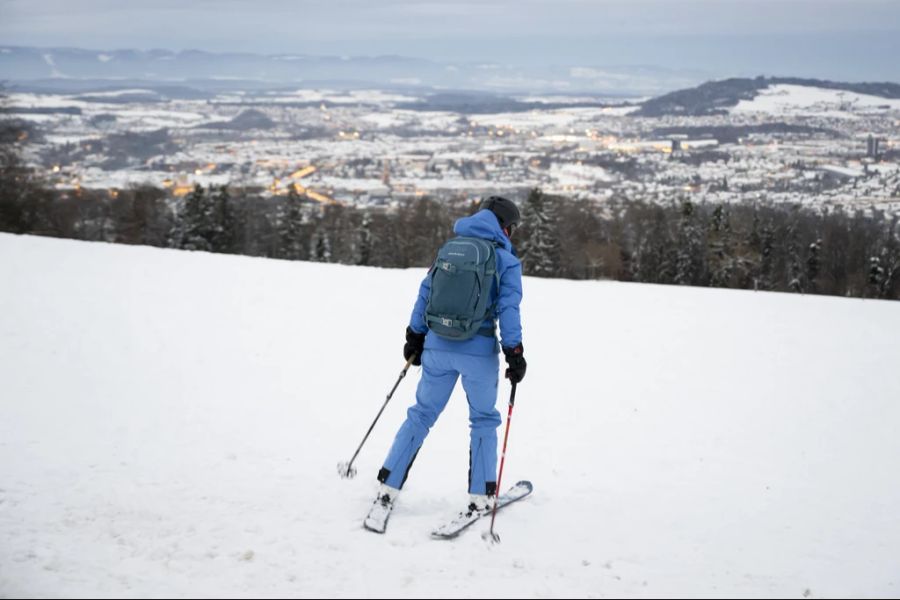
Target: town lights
x,y
301,173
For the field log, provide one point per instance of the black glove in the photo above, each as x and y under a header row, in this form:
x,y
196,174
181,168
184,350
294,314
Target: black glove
x,y
516,361
415,344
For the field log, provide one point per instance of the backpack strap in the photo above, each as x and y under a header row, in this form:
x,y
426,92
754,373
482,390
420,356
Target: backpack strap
x,y
447,321
492,309
445,266
496,277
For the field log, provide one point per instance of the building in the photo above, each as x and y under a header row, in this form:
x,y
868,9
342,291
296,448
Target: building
x,y
872,146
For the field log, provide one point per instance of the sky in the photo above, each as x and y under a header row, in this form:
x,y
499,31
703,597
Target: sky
x,y
817,36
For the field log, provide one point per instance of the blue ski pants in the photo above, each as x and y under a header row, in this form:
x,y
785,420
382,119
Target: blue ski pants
x,y
440,370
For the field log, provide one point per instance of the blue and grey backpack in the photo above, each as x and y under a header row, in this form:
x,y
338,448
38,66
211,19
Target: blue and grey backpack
x,y
461,280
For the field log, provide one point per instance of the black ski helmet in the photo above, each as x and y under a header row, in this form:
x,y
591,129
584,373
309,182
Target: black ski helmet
x,y
505,210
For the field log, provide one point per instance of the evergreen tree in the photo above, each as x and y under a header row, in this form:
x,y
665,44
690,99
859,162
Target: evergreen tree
x,y
539,248
320,241
24,203
197,225
653,260
813,260
891,259
366,241
688,257
224,230
321,245
884,265
292,231
876,275
792,254
337,226
723,259
765,280
750,251
835,246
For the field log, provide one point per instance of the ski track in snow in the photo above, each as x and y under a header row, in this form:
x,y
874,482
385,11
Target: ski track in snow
x,y
170,424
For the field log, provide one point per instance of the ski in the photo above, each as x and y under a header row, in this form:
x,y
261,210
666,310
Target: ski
x,y
453,528
379,514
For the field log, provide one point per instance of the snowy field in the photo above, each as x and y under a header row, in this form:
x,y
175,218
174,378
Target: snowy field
x,y
784,100
170,424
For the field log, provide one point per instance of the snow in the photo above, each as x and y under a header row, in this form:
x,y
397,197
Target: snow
x,y
161,117
572,173
839,170
885,168
170,424
783,99
427,121
337,97
37,117
619,111
70,139
116,93
386,120
446,183
563,117
45,101
553,99
93,177
699,143
352,183
435,120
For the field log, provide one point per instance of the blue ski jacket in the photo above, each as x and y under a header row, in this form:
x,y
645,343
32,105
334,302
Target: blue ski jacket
x,y
484,225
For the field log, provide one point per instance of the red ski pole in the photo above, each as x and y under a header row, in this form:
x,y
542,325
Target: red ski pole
x,y
512,402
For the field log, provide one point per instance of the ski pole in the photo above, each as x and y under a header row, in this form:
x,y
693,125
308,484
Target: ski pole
x,y
512,402
346,470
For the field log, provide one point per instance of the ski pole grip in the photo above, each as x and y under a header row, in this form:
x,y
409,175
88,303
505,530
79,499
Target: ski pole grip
x,y
408,364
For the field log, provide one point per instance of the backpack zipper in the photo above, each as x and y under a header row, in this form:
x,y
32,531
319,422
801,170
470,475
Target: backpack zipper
x,y
474,245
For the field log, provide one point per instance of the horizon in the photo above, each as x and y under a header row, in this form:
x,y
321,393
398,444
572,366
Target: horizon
x,y
395,72
837,39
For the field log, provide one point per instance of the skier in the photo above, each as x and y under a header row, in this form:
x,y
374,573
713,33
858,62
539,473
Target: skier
x,y
445,359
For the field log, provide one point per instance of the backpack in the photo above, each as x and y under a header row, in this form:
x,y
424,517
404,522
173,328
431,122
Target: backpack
x,y
461,280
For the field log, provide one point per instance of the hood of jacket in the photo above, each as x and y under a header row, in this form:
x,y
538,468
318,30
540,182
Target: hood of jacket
x,y
484,225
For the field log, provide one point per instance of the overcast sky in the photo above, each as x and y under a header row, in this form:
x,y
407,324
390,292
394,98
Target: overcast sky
x,y
672,33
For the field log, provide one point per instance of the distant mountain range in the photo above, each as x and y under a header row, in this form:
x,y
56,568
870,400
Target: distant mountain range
x,y
467,87
77,70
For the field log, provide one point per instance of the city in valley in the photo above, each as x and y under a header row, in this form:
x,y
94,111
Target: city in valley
x,y
787,143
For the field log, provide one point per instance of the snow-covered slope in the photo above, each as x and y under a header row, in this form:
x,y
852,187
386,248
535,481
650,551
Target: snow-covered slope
x,y
170,424
785,99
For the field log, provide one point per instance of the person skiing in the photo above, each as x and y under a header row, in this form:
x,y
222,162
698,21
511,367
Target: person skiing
x,y
448,348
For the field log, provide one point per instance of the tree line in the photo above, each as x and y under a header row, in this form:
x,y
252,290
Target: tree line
x,y
759,246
